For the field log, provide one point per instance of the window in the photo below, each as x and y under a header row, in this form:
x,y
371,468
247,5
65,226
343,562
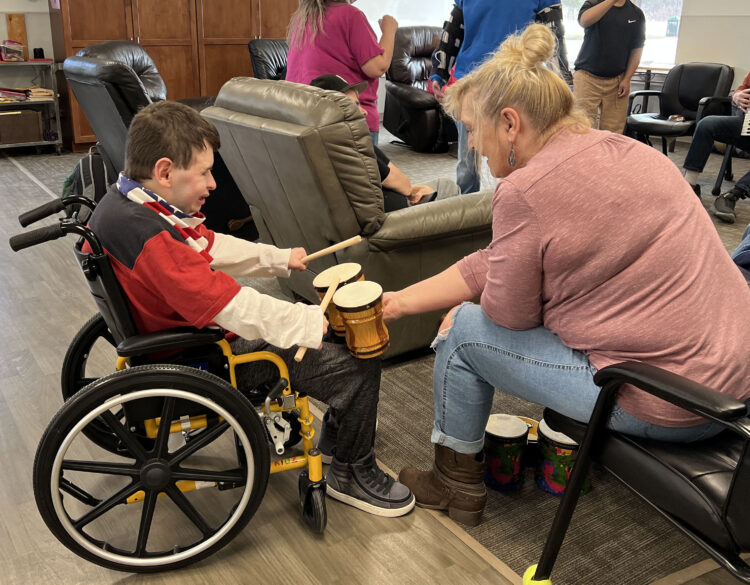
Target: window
x,y
662,27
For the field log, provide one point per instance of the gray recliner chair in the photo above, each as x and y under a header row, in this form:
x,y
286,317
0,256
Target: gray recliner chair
x,y
303,159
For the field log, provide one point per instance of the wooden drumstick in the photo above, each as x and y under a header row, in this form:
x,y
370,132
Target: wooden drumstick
x,y
332,249
323,305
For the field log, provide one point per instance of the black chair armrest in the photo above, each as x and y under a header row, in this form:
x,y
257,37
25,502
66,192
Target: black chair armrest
x,y
414,97
673,388
643,92
171,339
714,106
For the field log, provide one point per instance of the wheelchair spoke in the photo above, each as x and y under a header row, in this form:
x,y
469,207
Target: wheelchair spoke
x,y
147,515
108,504
160,447
104,468
130,441
189,510
198,443
232,476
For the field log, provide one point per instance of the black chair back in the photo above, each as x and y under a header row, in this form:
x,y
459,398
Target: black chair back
x,y
412,52
268,58
686,84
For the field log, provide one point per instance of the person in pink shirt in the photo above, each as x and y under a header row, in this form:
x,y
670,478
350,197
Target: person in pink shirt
x,y
334,37
601,253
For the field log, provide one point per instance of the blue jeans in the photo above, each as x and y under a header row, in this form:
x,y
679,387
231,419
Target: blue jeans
x,y
724,129
477,355
467,175
741,255
374,136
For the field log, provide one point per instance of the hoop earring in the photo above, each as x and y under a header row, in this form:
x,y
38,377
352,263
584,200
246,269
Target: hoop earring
x,y
512,156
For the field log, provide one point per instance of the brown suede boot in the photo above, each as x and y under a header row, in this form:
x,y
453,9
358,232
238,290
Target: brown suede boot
x,y
455,483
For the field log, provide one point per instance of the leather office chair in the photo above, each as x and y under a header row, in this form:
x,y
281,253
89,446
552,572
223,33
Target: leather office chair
x,y
689,91
412,113
303,158
112,81
268,58
701,487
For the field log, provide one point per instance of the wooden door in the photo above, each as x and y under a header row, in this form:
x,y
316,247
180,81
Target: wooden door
x,y
272,17
87,22
166,29
224,29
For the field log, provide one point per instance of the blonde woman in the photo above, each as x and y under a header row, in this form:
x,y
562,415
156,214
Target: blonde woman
x,y
600,253
332,36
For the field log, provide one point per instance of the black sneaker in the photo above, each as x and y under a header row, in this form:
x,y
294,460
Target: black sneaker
x,y
364,485
723,207
329,430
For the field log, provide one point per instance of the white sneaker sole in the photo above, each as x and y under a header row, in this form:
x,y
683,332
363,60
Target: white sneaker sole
x,y
369,508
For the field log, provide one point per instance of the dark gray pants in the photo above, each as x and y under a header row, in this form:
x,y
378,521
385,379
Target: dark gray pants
x,y
347,385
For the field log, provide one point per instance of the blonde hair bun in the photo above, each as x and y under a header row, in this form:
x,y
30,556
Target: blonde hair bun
x,y
535,45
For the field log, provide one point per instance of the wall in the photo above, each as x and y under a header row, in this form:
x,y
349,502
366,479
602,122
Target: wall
x,y
716,31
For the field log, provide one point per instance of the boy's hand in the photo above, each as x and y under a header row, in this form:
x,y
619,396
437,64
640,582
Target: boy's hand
x,y
418,192
437,91
295,259
391,307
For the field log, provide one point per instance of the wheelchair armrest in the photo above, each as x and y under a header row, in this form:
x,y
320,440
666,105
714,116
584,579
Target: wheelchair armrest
x,y
171,339
707,102
673,388
643,92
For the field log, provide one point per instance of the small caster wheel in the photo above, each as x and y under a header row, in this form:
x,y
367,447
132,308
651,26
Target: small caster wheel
x,y
312,499
528,577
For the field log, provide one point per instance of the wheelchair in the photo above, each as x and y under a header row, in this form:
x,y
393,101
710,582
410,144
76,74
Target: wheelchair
x,y
161,462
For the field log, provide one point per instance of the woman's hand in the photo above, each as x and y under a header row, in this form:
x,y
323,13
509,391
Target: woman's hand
x,y
388,24
295,259
438,92
392,309
742,99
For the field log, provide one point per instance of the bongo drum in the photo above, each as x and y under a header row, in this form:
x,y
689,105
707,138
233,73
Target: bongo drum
x,y
347,273
504,442
557,453
361,307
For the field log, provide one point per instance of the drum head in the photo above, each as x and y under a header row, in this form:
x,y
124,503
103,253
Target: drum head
x,y
357,296
560,439
506,426
345,272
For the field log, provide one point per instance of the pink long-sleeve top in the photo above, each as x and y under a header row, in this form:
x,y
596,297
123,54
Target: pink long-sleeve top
x,y
600,240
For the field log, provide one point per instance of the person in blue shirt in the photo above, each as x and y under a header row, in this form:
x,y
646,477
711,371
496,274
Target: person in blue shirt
x,y
474,30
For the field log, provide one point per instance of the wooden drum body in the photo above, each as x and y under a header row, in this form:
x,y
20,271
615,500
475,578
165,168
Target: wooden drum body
x,y
346,273
361,307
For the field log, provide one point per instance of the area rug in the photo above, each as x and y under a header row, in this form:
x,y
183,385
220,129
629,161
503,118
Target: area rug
x,y
614,539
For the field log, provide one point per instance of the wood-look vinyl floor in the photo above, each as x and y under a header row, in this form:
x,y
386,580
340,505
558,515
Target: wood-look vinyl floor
x,y
43,302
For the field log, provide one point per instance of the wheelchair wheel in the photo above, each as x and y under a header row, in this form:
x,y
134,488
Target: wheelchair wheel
x,y
312,496
145,509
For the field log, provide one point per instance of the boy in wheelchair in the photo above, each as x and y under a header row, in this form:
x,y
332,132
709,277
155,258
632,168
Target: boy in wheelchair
x,y
175,272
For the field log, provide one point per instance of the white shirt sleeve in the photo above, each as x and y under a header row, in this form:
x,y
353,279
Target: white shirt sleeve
x,y
253,315
238,257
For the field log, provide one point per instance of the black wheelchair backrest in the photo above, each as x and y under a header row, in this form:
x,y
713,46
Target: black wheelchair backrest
x,y
109,296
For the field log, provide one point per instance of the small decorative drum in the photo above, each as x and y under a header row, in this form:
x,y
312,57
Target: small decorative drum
x,y
361,307
504,442
557,453
347,272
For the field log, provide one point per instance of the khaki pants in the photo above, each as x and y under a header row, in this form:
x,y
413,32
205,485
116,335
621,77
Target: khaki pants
x,y
595,94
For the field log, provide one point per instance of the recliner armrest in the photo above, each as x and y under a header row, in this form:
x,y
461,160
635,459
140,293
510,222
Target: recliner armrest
x,y
170,339
642,92
428,221
414,97
678,390
713,102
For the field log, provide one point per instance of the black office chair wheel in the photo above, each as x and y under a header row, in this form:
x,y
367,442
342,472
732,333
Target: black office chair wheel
x,y
136,511
312,499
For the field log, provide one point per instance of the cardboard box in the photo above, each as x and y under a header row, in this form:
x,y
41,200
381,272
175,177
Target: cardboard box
x,y
20,126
